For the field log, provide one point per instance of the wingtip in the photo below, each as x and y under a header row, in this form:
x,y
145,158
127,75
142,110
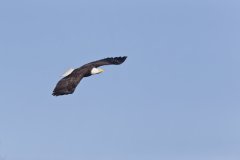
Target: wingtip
x,y
121,59
125,57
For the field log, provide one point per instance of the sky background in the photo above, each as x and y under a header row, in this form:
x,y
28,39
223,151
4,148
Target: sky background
x,y
175,98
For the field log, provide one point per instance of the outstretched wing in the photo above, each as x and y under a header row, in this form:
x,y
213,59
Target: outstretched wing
x,y
108,61
68,84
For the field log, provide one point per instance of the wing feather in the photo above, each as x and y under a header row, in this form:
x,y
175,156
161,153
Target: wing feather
x,y
67,85
108,61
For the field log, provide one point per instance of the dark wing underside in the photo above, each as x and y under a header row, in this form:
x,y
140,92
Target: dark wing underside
x,y
68,84
108,61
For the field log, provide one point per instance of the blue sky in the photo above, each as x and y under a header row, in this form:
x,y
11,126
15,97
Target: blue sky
x,y
175,98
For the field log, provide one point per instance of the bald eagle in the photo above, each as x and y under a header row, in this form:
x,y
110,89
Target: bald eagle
x,y
72,77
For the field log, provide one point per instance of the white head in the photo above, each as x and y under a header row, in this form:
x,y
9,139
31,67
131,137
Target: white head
x,y
96,71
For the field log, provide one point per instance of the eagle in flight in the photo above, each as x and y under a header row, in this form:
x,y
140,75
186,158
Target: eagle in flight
x,y
72,77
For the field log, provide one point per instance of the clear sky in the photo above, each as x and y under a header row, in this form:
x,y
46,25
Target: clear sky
x,y
177,97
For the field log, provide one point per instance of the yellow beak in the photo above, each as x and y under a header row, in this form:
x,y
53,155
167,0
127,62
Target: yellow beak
x,y
100,70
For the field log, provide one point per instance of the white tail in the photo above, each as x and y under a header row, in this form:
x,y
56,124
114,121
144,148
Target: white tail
x,y
69,71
